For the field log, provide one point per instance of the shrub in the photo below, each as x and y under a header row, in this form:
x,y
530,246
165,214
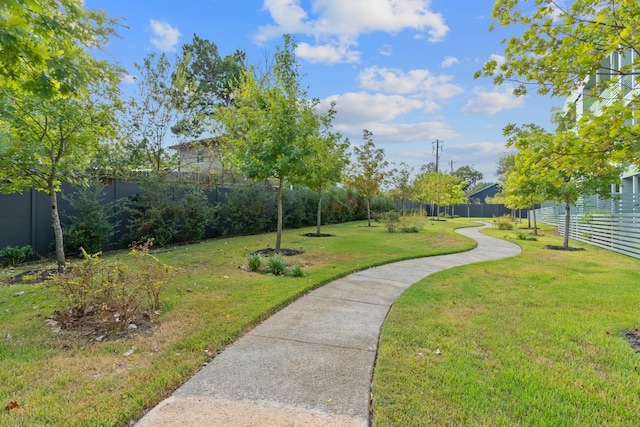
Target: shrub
x,y
504,222
391,221
197,214
243,211
93,228
14,255
276,265
254,262
521,235
295,270
116,293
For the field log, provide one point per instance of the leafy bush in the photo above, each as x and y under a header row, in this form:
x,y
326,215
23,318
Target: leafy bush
x,y
154,214
391,220
503,222
295,270
521,235
276,265
14,255
243,212
94,226
254,262
196,215
116,293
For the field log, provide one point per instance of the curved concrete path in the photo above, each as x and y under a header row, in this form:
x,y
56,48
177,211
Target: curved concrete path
x,y
311,363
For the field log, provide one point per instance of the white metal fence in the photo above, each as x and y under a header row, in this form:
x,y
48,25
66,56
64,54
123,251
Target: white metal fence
x,y
616,227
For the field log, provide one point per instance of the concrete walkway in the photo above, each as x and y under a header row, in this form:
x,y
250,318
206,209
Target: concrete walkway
x,y
311,363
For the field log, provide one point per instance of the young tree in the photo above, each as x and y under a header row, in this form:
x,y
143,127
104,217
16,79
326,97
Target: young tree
x,y
444,188
563,170
402,184
326,162
57,99
369,171
271,128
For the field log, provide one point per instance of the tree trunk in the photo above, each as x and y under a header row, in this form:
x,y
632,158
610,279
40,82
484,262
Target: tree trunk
x,y
319,217
279,226
57,229
369,211
535,222
567,209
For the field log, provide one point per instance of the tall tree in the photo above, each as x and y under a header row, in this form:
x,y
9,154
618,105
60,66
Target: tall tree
x,y
272,128
468,176
57,99
564,49
369,172
204,80
149,116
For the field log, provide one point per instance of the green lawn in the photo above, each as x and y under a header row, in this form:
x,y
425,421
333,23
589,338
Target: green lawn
x,y
531,340
61,381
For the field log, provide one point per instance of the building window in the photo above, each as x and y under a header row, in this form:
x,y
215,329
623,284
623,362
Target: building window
x,y
200,155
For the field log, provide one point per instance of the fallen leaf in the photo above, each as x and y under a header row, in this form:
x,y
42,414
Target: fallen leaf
x,y
11,406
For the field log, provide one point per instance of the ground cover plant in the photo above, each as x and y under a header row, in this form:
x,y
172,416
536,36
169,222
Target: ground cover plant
x,y
538,339
55,378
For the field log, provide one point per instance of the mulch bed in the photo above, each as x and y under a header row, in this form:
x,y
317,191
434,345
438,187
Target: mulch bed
x,y
562,248
30,277
633,337
271,251
318,235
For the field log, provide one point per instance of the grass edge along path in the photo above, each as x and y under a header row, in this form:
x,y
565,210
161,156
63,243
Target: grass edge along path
x,y
56,380
532,340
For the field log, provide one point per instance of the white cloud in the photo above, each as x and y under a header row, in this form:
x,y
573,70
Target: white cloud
x,y
165,37
392,80
362,107
341,22
385,50
128,78
498,58
449,61
492,102
331,54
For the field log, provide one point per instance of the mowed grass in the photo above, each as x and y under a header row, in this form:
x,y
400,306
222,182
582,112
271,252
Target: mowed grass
x,y
60,381
533,340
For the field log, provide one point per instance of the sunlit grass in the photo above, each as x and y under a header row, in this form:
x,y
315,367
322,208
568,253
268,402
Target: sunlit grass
x,y
212,301
531,340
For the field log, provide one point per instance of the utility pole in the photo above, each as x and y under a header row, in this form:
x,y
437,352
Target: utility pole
x,y
452,166
437,149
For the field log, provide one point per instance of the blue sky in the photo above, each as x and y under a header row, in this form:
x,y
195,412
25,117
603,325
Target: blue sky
x,y
403,69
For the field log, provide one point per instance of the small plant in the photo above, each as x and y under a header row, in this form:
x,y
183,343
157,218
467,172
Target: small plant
x,y
521,235
296,270
14,255
504,222
276,265
254,262
391,221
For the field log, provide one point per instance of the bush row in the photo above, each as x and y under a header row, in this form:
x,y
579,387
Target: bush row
x,y
167,213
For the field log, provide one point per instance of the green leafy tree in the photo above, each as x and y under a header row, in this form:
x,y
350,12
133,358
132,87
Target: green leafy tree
x,y
204,80
326,162
401,181
563,167
564,49
369,172
468,176
271,128
443,188
57,102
